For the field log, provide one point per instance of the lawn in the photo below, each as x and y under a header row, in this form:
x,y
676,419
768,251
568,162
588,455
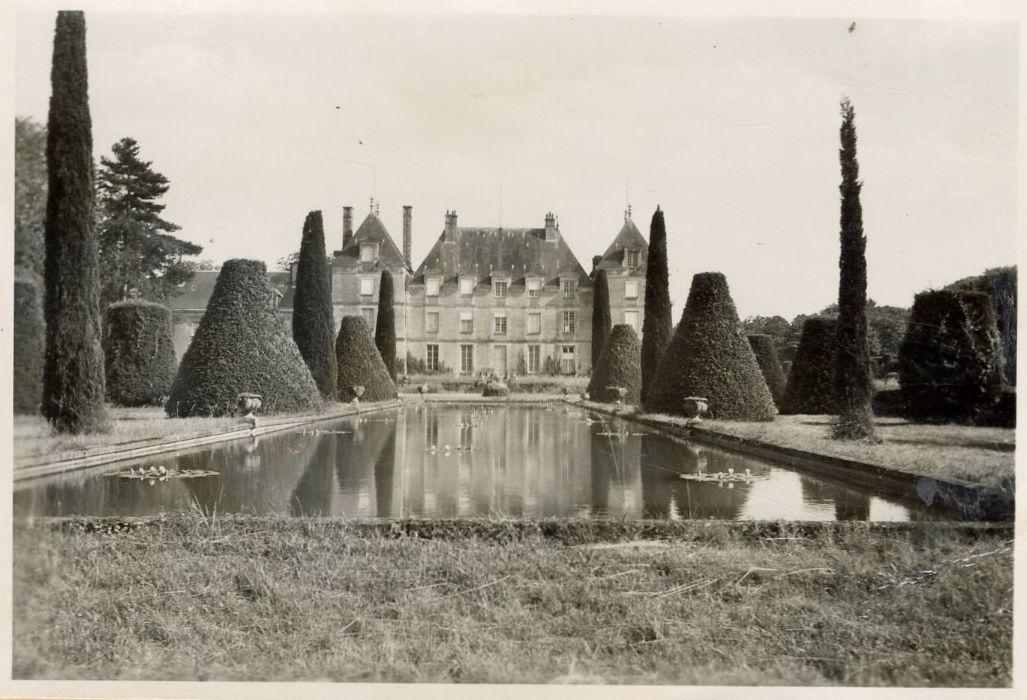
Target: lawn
x,y
689,603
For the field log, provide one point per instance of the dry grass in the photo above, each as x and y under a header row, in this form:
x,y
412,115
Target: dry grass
x,y
250,599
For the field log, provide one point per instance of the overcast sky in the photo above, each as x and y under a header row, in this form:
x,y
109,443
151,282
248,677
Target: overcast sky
x,y
730,125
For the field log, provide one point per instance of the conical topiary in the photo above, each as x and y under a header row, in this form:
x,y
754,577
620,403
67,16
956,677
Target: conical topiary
x,y
138,352
620,365
313,325
360,363
241,346
29,345
710,357
600,317
766,358
385,325
810,387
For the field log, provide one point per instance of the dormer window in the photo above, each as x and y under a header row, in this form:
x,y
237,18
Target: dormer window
x,y
569,287
466,286
431,286
368,252
534,285
631,258
500,288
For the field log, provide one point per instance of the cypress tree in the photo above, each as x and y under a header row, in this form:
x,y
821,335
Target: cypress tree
x,y
385,325
73,379
601,324
313,326
657,325
853,388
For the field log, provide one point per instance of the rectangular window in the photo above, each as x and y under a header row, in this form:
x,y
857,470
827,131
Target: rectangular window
x,y
567,364
534,359
631,289
568,289
370,315
366,286
499,324
631,258
631,318
534,322
568,322
431,287
534,287
466,286
466,359
431,358
431,322
367,253
500,287
466,322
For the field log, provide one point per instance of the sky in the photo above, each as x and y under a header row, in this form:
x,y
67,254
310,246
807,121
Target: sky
x,y
729,124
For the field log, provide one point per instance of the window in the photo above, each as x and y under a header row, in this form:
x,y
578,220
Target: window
x,y
534,359
631,318
534,322
466,322
431,322
568,289
500,287
631,289
367,286
431,358
466,359
499,324
568,322
431,287
369,316
534,287
631,258
466,286
567,364
367,252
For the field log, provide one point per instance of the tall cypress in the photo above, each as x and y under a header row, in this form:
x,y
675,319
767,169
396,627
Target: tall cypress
x,y
313,327
853,387
385,325
601,323
73,378
657,327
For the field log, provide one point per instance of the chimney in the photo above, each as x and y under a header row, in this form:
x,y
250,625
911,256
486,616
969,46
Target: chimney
x,y
407,215
596,259
450,235
347,226
551,227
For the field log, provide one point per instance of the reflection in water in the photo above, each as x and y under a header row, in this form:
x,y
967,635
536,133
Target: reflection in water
x,y
431,460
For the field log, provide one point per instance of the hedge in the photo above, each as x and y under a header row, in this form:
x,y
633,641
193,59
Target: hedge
x,y
241,346
29,345
601,327
811,381
1000,283
710,357
657,320
139,355
948,367
313,325
766,358
385,324
360,363
620,365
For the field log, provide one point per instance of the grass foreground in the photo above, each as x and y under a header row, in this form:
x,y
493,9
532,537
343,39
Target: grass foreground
x,y
190,597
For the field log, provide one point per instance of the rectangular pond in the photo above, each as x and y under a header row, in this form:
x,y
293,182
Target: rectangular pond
x,y
473,460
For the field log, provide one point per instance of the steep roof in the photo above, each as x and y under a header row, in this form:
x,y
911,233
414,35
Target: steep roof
x,y
371,230
196,292
628,237
518,252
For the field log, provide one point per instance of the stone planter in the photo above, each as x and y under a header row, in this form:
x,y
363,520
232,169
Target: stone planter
x,y
694,406
248,403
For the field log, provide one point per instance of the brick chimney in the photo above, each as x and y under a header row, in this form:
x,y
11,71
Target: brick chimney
x,y
407,233
551,227
450,235
347,226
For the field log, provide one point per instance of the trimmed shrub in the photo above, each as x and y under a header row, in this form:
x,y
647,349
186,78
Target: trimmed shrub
x,y
241,346
73,398
810,386
1000,284
138,352
29,345
766,357
947,363
495,388
360,363
601,322
385,325
313,326
657,322
619,366
709,357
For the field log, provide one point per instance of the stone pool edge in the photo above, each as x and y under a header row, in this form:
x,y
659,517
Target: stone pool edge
x,y
38,468
959,497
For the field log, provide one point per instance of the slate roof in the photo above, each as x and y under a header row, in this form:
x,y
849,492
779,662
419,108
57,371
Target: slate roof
x,y
372,229
195,293
517,252
628,237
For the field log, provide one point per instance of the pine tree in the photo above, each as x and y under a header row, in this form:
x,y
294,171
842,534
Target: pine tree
x,y
657,327
853,388
73,379
137,251
601,323
385,325
313,325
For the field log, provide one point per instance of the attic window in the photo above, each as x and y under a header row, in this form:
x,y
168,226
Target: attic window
x,y
534,287
500,287
368,252
630,258
466,286
568,289
431,287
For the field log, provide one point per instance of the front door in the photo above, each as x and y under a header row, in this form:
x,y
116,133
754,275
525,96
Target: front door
x,y
499,360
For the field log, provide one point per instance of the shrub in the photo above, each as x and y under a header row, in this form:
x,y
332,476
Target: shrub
x,y
766,358
29,345
73,398
496,388
313,325
810,386
947,363
139,355
657,321
888,402
385,327
1000,284
241,346
600,316
360,363
619,366
709,357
